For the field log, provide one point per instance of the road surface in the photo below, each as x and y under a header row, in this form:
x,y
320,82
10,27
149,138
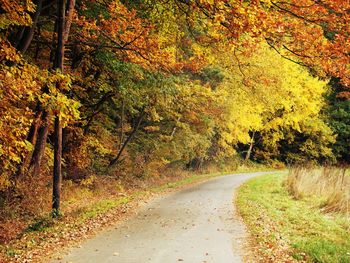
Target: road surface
x,y
197,224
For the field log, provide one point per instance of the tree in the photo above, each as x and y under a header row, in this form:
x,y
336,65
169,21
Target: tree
x,y
95,87
64,19
338,113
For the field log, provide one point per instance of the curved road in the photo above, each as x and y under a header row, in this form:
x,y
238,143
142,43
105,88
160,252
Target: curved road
x,y
197,224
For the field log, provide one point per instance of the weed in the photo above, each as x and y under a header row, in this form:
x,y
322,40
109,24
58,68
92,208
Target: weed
x,y
39,225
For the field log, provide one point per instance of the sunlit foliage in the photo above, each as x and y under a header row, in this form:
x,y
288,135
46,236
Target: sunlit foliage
x,y
150,84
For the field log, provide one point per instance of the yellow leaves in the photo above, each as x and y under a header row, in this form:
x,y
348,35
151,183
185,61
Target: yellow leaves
x,y
4,181
55,101
152,128
8,52
59,104
153,114
88,181
58,82
92,143
14,157
265,93
20,86
15,13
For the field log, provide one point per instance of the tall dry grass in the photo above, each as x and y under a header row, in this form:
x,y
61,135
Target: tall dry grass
x,y
331,185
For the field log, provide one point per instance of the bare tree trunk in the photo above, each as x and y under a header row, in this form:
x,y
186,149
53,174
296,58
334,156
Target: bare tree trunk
x,y
174,129
68,19
121,135
18,36
249,152
57,166
63,26
28,33
33,131
57,171
40,144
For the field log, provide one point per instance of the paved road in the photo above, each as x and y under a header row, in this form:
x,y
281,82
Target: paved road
x,y
197,224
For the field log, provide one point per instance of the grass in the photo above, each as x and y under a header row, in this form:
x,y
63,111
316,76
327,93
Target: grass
x,y
329,184
102,207
287,227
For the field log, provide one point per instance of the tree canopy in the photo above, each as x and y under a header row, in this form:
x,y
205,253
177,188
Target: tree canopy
x,y
113,87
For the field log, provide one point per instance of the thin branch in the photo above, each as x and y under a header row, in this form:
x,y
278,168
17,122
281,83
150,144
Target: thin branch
x,y
239,66
294,14
295,53
297,6
268,41
135,129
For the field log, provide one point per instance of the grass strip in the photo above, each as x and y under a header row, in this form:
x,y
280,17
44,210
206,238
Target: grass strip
x,y
285,227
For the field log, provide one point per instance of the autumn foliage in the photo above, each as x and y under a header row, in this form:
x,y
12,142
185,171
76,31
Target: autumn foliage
x,y
145,86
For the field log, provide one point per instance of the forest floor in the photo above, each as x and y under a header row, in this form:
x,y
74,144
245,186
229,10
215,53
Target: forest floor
x,y
45,237
196,224
286,229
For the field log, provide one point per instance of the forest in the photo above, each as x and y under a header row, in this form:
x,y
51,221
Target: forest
x,y
94,91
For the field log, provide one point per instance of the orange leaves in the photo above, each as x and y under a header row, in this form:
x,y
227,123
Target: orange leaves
x,y
127,35
313,32
8,52
318,31
344,95
15,13
193,65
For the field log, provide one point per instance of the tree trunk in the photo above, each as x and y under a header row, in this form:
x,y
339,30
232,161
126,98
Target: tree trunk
x,y
33,131
249,152
28,33
63,28
57,171
57,166
68,19
121,135
60,36
40,144
174,129
136,127
32,137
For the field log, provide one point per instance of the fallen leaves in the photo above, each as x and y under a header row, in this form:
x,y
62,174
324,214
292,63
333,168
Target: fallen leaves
x,y
71,230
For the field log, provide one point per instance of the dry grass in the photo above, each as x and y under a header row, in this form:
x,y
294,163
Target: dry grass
x,y
284,226
331,185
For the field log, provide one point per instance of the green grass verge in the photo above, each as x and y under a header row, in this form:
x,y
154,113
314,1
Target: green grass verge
x,y
272,214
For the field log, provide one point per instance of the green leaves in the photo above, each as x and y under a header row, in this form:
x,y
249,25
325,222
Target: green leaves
x,y
338,113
